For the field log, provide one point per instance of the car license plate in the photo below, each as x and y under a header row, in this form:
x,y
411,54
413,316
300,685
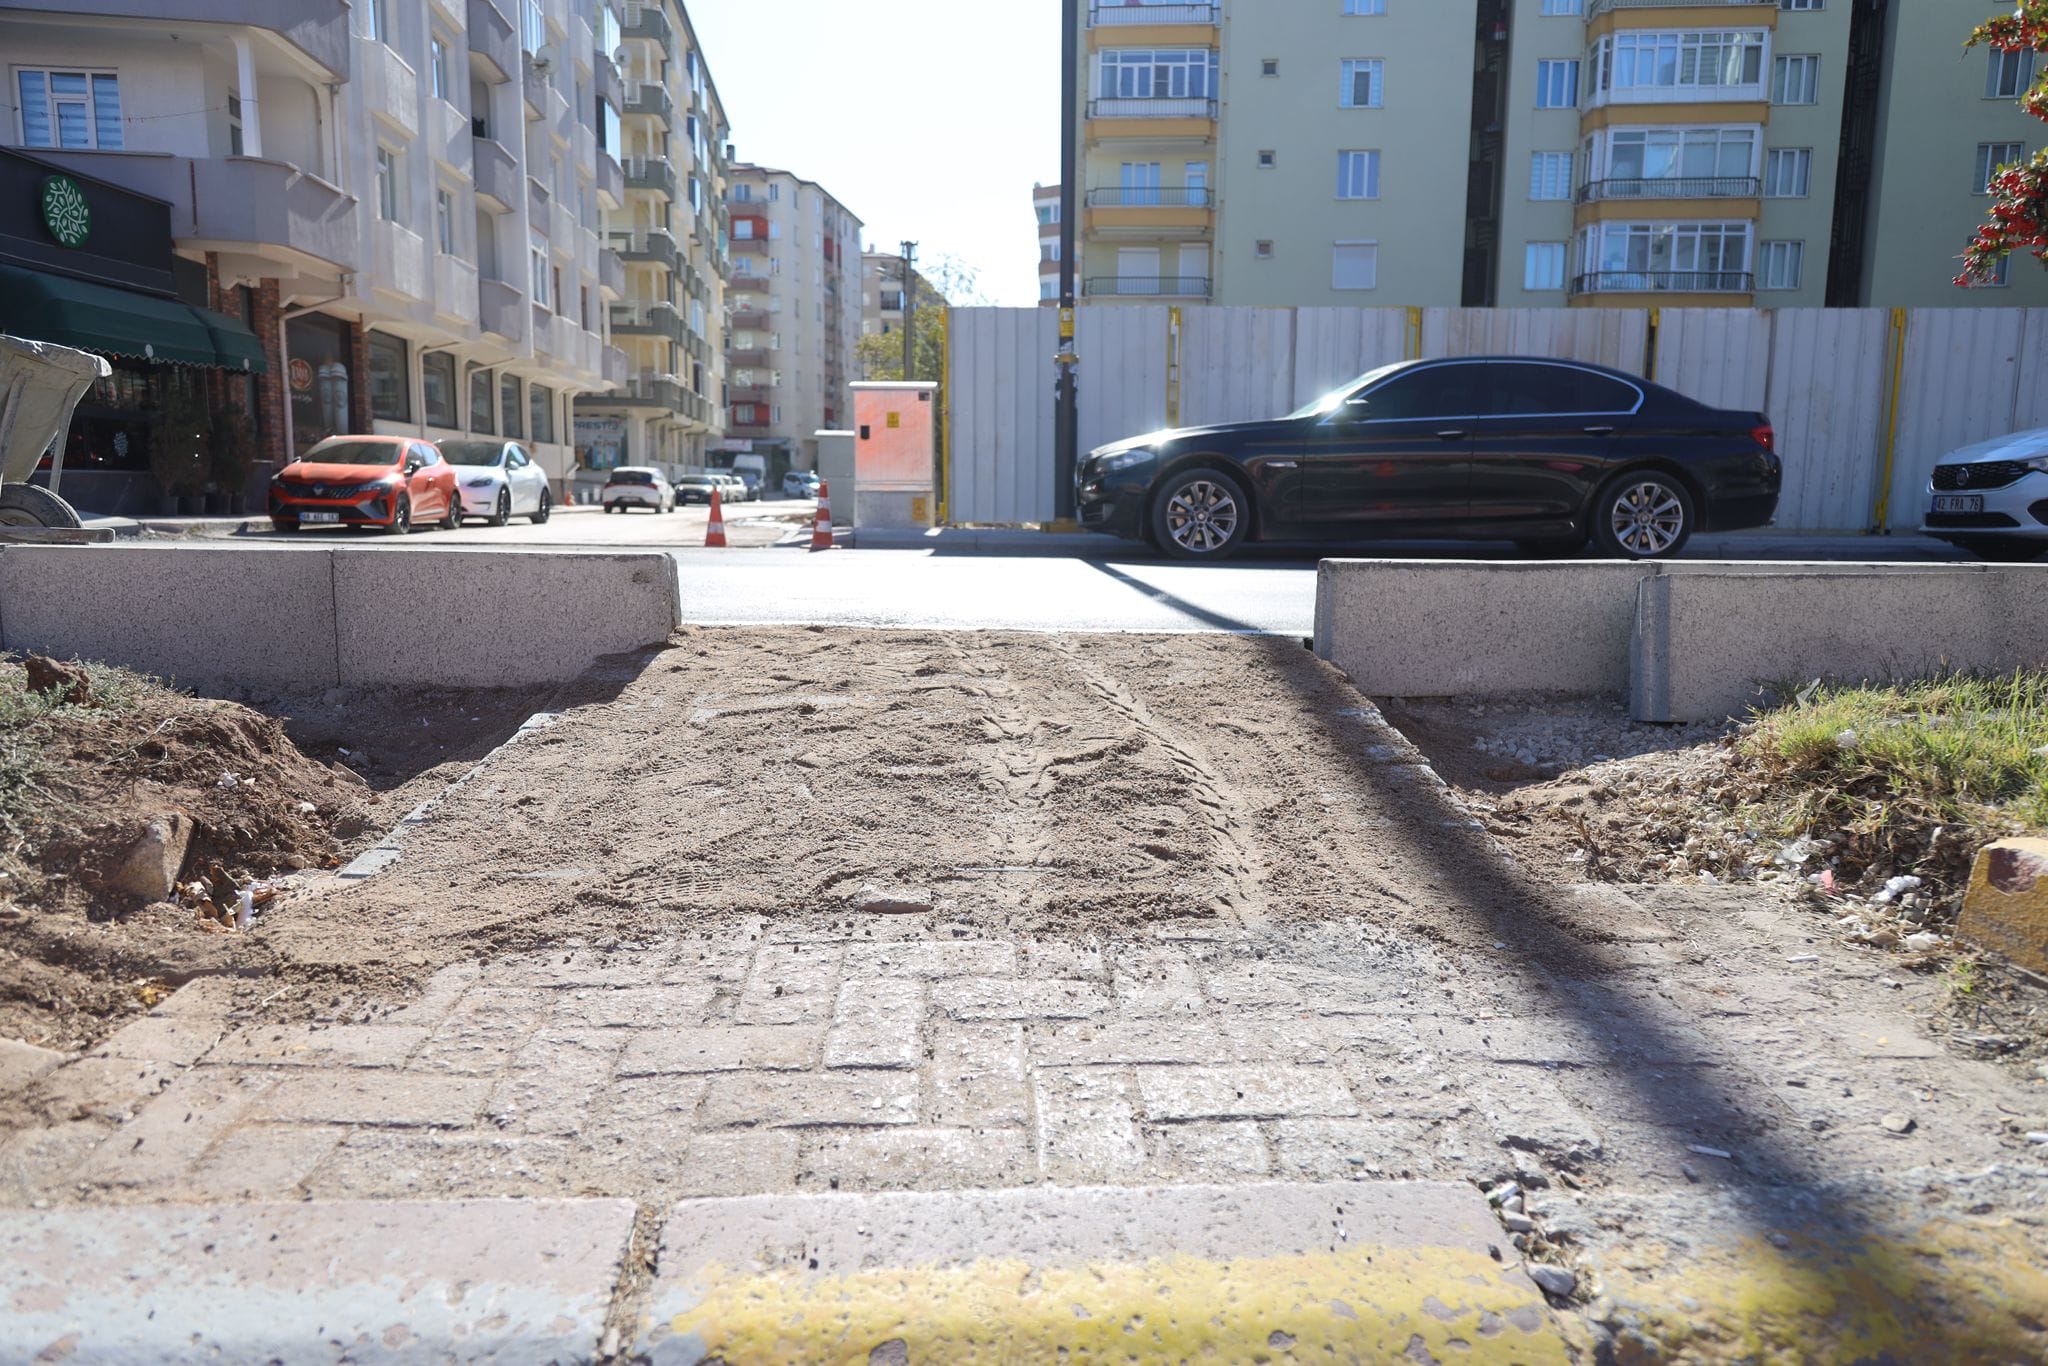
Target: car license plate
x,y
318,518
1971,502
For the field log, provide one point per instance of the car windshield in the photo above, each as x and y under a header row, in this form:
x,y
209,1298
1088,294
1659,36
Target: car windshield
x,y
699,483
471,452
337,451
1329,402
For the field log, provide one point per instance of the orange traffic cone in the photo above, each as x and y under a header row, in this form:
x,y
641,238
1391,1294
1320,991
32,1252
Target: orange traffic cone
x,y
821,530
714,534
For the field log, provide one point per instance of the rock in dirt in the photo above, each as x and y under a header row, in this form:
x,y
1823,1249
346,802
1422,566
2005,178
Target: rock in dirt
x,y
61,682
150,867
1899,1124
21,1063
1554,1280
873,900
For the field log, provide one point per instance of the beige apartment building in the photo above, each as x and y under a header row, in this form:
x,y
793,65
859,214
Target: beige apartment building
x,y
882,295
1534,152
1045,206
795,316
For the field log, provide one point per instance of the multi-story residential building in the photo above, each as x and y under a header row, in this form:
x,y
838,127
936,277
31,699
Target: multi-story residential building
x,y
1045,206
1533,152
795,316
882,295
671,232
400,199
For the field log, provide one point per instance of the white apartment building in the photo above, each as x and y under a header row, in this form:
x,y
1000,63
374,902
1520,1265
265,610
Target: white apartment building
x,y
795,316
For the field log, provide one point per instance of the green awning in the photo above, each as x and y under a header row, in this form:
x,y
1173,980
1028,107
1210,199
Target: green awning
x,y
121,322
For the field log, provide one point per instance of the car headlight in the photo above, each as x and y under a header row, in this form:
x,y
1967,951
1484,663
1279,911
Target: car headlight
x,y
1124,460
2039,464
477,484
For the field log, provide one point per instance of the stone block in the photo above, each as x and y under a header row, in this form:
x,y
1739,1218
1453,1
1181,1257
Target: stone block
x,y
876,1024
2006,907
21,1063
725,1048
783,1100
1183,1093
149,868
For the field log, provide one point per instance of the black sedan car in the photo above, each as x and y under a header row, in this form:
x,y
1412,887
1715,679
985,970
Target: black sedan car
x,y
1544,453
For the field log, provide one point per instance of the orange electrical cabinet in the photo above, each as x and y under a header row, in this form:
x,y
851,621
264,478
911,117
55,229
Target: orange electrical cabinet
x,y
895,453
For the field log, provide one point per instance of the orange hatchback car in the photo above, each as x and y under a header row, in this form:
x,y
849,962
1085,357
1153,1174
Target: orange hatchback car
x,y
390,482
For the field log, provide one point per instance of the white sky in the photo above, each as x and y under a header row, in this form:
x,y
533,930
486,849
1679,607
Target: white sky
x,y
928,119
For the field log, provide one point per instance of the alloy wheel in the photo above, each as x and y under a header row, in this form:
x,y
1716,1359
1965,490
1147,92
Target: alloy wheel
x,y
502,512
1647,518
1202,516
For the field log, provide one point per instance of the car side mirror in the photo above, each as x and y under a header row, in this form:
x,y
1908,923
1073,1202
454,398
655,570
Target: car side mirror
x,y
412,467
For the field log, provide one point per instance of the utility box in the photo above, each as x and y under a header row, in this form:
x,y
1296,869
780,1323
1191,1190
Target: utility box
x,y
835,467
895,454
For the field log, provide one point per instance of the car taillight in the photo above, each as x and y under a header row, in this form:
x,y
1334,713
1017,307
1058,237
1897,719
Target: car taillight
x,y
1764,436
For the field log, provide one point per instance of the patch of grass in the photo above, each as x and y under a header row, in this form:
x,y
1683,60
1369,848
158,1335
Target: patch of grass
x,y
27,721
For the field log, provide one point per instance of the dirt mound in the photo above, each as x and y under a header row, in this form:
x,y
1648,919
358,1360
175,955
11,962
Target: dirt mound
x,y
114,793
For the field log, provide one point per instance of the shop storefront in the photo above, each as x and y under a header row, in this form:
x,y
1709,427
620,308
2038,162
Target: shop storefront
x,y
87,264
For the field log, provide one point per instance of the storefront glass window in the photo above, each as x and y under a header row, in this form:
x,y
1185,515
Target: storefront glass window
x,y
437,389
508,404
390,393
318,378
541,400
482,415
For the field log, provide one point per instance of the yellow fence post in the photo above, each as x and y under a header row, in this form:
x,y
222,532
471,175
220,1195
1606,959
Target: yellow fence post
x,y
1173,366
1650,345
946,430
1881,516
1414,347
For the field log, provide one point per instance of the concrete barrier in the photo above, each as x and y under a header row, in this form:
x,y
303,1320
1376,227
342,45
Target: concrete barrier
x,y
215,617
1683,641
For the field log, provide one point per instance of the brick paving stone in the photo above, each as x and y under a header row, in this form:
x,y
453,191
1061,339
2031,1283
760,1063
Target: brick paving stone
x,y
671,1100
1179,1093
36,1163
99,1088
439,996
916,1159
657,1007
1158,1039
1001,998
746,1162
1087,1125
877,1023
1152,979
1182,1151
978,1075
399,1165
168,1136
1254,983
1041,959
933,959
303,1045
791,984
544,1100
177,1040
261,1162
474,1045
797,1099
486,1003
722,1048
207,997
579,968
576,1049
1531,1113
381,1099
1354,1149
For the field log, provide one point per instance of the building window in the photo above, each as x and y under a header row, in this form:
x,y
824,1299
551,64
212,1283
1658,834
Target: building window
x,y
234,124
387,184
1678,256
377,14
1197,177
533,26
437,389
1802,4
70,109
1269,66
1991,156
1543,265
1138,183
2010,75
1358,175
1165,74
1048,287
1796,79
482,415
541,276
1049,213
444,222
1639,154
1268,159
1362,83
1550,175
1779,264
390,393
508,404
1364,7
1788,173
1263,249
774,193
541,407
1648,61
1564,7
437,67
1355,265
1557,85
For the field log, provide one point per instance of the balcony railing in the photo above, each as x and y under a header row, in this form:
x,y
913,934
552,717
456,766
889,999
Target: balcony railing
x,y
1109,13
492,37
1672,187
611,272
1152,109
658,175
1146,286
647,320
649,97
1665,282
615,366
646,21
1599,7
1152,197
646,244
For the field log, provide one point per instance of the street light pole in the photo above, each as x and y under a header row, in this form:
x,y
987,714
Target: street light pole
x,y
1066,417
909,311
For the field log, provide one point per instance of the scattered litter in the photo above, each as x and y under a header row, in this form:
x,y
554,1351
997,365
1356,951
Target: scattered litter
x,y
1705,1151
228,780
1804,958
1503,1192
2037,1136
1896,888
307,808
1923,942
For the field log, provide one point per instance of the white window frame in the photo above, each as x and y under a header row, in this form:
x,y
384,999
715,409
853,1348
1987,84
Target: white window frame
x,y
1349,69
2014,69
1553,73
543,280
1173,73
89,102
1538,260
1780,265
1782,78
1989,160
1679,236
1550,176
1686,51
1802,4
444,221
1563,7
1779,182
390,173
1358,174
1372,264
437,68
1364,9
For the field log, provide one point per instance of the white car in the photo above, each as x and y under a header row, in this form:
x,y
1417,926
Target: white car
x,y
498,480
637,486
800,484
1991,499
735,488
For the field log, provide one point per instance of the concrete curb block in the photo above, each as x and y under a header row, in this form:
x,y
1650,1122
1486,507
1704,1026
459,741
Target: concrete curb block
x,y
275,616
360,1281
386,852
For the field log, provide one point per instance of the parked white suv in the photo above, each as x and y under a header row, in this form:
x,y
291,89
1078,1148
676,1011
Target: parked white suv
x,y
631,486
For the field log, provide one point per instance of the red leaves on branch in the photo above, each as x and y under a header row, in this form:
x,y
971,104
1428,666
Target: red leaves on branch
x,y
2018,221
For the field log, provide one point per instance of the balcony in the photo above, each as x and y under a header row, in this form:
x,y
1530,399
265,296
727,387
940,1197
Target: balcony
x,y
1146,287
1152,109
246,205
1111,15
755,393
500,309
748,284
606,78
391,89
650,99
1672,187
543,329
647,320
496,175
747,317
537,205
747,360
648,22
1599,7
1665,282
1163,120
653,246
493,42
398,261
611,273
317,28
655,175
749,246
653,387
611,181
614,366
562,227
1154,210
455,289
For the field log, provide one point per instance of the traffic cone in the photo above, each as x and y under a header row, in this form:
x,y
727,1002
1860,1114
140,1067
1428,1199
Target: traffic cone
x,y
821,530
714,534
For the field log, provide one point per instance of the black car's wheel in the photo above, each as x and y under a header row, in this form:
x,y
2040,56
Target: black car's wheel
x,y
1643,515
501,511
1201,514
1552,548
401,517
2002,549
546,508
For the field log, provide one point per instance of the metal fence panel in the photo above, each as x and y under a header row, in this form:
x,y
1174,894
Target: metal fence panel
x,y
1237,364
1829,374
1604,336
1000,390
1720,356
1961,385
1123,372
2030,408
1333,345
